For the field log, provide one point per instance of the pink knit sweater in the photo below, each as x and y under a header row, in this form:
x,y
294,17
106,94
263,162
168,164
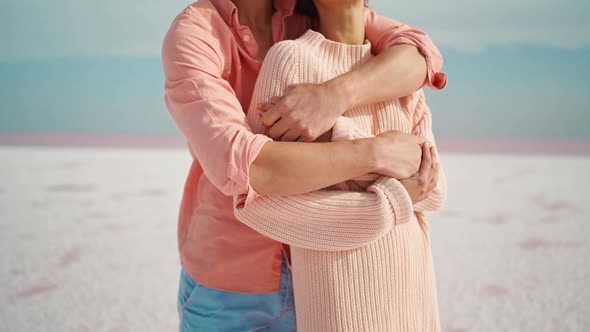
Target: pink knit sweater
x,y
360,249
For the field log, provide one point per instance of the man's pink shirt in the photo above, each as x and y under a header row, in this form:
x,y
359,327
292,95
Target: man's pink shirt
x,y
211,64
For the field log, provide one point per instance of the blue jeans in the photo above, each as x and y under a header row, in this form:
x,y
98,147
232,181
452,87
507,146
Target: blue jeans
x,y
203,309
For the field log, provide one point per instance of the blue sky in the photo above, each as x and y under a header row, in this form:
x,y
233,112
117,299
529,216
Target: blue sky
x,y
516,69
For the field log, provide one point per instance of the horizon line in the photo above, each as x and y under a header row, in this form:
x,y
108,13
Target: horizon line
x,y
455,145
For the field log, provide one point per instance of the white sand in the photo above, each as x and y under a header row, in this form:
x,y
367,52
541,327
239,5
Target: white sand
x,y
88,241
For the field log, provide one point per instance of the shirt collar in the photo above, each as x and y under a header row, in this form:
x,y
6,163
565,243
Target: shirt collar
x,y
229,12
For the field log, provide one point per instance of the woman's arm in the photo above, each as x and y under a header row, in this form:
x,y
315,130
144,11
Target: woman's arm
x,y
324,219
329,219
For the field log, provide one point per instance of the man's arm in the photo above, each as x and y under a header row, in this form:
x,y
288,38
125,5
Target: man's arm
x,y
406,60
206,110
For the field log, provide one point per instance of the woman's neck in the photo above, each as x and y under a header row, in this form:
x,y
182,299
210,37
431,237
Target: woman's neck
x,y
342,23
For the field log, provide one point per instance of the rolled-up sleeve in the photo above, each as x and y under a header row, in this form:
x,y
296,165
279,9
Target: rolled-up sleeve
x,y
205,107
384,32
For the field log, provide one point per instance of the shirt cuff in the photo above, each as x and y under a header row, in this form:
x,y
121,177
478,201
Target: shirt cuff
x,y
436,80
241,175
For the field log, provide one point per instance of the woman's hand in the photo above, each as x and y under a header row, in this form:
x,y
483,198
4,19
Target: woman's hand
x,y
423,182
304,113
397,154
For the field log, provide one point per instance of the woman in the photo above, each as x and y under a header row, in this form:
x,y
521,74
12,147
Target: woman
x,y
233,278
346,277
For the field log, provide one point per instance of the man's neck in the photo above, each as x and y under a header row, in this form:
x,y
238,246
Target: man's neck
x,y
342,23
255,14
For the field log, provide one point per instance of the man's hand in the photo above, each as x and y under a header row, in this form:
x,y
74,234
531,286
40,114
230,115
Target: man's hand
x,y
304,113
423,182
397,154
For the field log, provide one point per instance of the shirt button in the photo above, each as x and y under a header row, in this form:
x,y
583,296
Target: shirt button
x,y
246,38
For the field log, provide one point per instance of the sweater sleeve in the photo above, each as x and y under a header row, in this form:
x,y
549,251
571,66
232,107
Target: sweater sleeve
x,y
423,127
328,220
346,129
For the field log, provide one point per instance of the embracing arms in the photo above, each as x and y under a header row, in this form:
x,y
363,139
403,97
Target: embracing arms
x,y
342,220
205,108
406,60
326,219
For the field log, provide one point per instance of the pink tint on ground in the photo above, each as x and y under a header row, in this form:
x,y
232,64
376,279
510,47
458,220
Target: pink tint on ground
x,y
34,290
497,219
493,290
550,219
92,140
555,205
456,329
534,243
69,257
70,187
113,227
576,147
17,272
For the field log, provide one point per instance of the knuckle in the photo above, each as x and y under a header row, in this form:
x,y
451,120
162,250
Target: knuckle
x,y
284,105
290,117
299,126
268,121
307,133
420,181
306,138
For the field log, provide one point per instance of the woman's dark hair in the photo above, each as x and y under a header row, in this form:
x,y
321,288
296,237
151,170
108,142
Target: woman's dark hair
x,y
308,8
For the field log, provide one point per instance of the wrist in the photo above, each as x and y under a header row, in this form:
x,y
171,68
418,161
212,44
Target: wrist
x,y
371,155
342,91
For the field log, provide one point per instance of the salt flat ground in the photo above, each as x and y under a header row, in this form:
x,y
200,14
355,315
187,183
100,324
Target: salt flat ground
x,y
88,240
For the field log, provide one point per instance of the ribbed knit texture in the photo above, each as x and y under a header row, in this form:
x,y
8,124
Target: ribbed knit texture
x,y
360,251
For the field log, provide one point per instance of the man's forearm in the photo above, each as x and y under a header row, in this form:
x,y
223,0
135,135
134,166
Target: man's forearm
x,y
291,168
396,72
